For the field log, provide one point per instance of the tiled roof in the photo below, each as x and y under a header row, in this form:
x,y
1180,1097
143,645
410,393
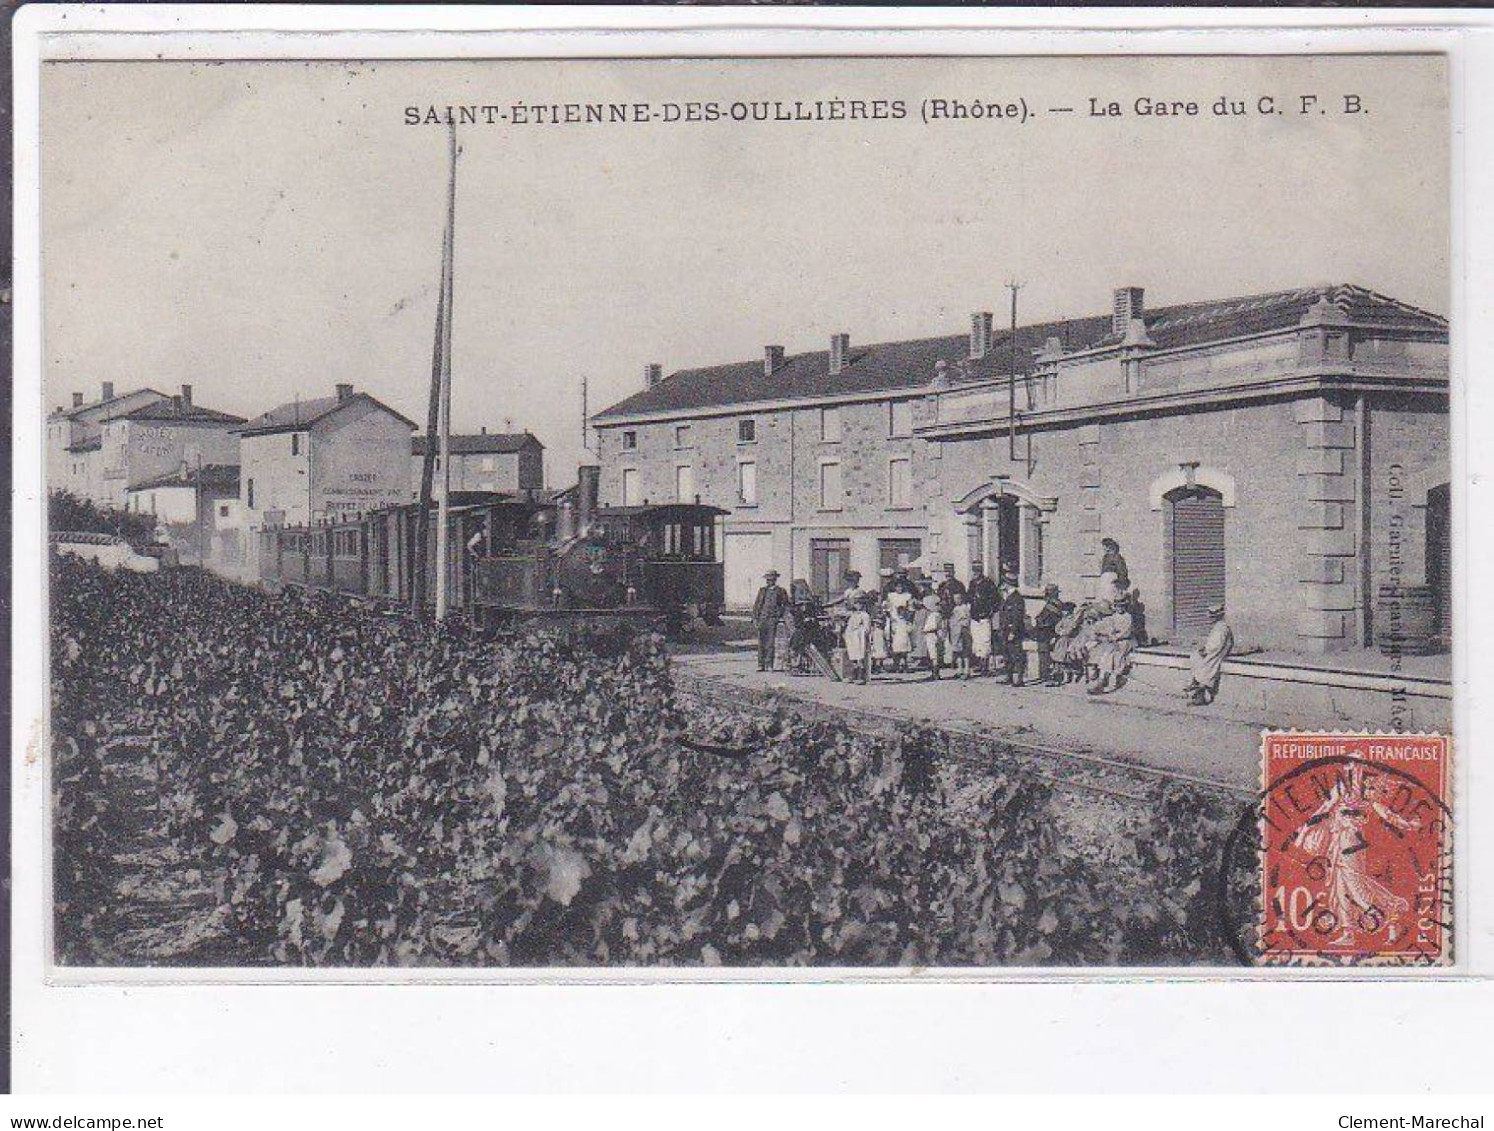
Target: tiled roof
x,y
296,415
220,476
173,409
893,366
482,443
69,413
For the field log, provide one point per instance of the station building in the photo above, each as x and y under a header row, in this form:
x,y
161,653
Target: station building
x,y
509,462
1287,453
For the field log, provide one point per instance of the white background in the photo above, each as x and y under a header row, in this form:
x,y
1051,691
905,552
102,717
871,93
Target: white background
x,y
906,1033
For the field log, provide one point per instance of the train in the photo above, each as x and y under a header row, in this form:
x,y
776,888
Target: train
x,y
518,557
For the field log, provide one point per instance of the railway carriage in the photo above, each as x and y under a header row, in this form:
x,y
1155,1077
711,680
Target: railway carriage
x,y
513,558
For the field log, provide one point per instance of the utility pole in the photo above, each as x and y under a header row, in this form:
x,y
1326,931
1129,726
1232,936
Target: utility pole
x,y
585,418
443,516
1011,382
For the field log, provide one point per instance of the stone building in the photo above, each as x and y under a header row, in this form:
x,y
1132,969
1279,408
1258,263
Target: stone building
x,y
75,437
99,451
312,460
199,509
487,461
159,437
1288,453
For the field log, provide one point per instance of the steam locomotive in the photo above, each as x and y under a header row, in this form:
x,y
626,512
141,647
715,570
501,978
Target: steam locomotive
x,y
518,557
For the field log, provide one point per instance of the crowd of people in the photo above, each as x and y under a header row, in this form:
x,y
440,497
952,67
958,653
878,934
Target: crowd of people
x,y
913,624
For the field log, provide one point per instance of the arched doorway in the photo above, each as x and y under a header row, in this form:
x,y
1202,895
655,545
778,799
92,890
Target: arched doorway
x,y
1193,550
1004,528
1439,556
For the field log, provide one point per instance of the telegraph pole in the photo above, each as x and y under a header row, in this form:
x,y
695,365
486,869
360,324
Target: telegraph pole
x,y
443,514
1011,382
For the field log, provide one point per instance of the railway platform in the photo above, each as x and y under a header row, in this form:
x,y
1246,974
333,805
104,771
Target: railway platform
x,y
1146,723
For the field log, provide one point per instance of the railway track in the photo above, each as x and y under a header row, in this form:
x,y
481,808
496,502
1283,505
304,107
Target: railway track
x,y
1082,772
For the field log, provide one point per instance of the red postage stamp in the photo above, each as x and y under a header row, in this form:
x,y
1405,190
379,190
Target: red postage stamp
x,y
1356,838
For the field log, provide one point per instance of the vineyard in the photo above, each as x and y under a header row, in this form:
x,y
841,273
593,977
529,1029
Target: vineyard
x,y
245,779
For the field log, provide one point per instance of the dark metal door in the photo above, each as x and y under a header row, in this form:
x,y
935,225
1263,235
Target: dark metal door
x,y
1195,556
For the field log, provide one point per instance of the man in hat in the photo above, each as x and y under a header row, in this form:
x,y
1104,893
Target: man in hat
x,y
1011,625
985,594
948,588
1206,661
771,606
1112,563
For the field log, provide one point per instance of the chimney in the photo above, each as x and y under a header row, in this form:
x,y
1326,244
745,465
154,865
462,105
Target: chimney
x,y
840,352
484,429
653,373
772,360
588,487
186,396
344,392
176,404
108,393
77,400
980,334
1128,305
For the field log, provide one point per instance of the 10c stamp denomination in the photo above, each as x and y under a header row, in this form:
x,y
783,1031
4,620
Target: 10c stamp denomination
x,y
1355,850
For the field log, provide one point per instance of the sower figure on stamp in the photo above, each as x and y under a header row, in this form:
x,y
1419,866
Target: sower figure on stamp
x,y
771,606
1356,902
1206,661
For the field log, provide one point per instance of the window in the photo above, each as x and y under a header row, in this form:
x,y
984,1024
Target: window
x,y
630,441
747,483
249,495
746,431
222,510
684,483
900,418
295,443
830,425
489,463
832,494
631,495
682,435
900,482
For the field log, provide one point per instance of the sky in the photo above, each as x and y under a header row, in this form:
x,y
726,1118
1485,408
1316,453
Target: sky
x,y
263,230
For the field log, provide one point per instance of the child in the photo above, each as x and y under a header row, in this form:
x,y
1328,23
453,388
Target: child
x,y
900,628
958,640
879,642
857,634
934,634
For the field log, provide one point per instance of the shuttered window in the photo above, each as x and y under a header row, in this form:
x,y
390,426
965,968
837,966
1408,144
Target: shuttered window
x,y
1195,555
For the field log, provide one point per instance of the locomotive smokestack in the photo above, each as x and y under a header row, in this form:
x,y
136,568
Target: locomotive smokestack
x,y
588,490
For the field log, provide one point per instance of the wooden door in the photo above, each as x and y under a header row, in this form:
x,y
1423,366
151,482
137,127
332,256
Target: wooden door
x,y
829,558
